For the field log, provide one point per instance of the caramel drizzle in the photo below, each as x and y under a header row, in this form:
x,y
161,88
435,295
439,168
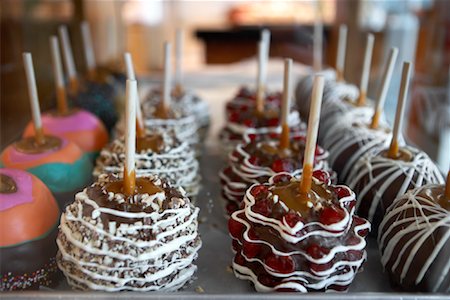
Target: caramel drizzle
x,y
400,154
140,131
163,112
129,182
154,142
61,98
7,185
305,183
290,193
74,85
140,186
30,145
284,137
362,98
375,120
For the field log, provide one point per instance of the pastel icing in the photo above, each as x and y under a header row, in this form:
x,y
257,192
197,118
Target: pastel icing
x,y
40,207
24,191
68,153
81,127
62,178
62,170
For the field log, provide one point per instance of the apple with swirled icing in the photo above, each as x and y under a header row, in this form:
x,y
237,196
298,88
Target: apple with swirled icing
x,y
79,126
29,216
63,167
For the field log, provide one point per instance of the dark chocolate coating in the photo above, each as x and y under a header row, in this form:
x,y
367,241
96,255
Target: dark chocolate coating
x,y
29,257
99,100
405,224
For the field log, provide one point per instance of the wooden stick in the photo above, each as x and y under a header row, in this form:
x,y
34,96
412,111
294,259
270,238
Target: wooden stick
x,y
140,130
265,38
311,138
61,98
366,70
260,79
340,56
318,40
386,80
286,104
167,76
403,94
68,59
88,49
34,99
129,174
179,46
447,187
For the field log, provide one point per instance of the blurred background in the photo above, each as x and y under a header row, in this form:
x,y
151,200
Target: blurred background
x,y
223,33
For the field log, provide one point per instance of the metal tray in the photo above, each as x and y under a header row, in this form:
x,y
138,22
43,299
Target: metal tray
x,y
215,279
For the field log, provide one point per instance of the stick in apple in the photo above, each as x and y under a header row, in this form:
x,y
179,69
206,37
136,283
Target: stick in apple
x,y
366,70
167,77
260,84
88,49
317,40
403,94
179,46
386,80
311,138
286,104
140,130
340,56
68,59
129,173
34,99
61,97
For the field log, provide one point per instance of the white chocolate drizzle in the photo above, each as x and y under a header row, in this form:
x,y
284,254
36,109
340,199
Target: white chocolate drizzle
x,y
381,172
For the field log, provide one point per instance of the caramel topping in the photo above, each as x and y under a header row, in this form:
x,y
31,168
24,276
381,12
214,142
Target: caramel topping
x,y
143,186
140,130
155,142
69,112
375,120
162,112
29,145
402,154
129,182
361,99
293,150
178,91
74,86
61,100
284,138
306,182
7,185
267,114
289,193
444,202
